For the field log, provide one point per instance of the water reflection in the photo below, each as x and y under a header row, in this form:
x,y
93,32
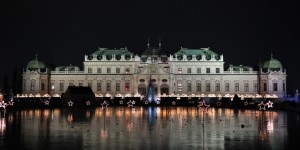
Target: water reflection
x,y
148,128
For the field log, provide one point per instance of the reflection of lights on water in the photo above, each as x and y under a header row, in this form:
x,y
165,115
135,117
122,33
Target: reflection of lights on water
x,y
70,118
104,133
87,114
2,125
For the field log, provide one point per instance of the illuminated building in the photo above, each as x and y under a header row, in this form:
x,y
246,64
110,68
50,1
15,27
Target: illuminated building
x,y
186,72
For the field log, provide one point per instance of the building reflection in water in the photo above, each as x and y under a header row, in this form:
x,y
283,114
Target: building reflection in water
x,y
146,127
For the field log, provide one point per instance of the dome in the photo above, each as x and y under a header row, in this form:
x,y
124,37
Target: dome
x,y
273,65
35,65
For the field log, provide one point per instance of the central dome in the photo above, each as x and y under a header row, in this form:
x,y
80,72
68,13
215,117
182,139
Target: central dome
x,y
35,65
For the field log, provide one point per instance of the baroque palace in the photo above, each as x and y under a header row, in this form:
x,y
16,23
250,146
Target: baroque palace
x,y
188,72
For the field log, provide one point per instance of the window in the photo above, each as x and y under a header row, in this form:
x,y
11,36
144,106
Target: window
x,y
52,87
265,86
32,85
127,70
189,70
207,87
80,83
283,87
71,82
108,86
179,70
99,86
226,87
198,87
198,70
275,87
217,87
189,87
99,70
246,87
127,87
90,83
255,87
89,70
179,86
118,86
236,87
207,70
108,70
43,87
61,86
217,70
117,70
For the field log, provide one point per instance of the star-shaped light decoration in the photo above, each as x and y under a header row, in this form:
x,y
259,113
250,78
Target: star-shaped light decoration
x,y
121,102
246,103
173,103
158,102
219,103
202,105
262,106
130,104
70,103
47,102
269,104
146,102
88,103
104,105
11,103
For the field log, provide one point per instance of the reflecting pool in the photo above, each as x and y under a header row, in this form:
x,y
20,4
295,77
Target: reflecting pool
x,y
151,128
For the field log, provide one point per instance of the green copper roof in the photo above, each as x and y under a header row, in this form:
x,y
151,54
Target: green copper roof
x,y
105,51
35,65
272,64
201,51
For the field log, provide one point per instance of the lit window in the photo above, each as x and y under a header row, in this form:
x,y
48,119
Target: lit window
x,y
179,70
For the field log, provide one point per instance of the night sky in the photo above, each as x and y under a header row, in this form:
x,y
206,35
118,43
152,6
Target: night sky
x,y
61,32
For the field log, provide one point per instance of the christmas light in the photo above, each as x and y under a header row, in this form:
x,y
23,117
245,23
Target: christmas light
x,y
88,103
121,102
173,103
70,103
202,105
269,104
47,102
104,105
130,104
262,106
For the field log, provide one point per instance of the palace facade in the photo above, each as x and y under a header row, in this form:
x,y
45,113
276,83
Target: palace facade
x,y
188,72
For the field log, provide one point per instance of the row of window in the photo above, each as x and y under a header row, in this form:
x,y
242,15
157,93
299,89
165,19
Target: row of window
x,y
227,87
189,70
108,70
179,86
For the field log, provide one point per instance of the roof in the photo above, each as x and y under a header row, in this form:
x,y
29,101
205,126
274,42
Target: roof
x,y
201,51
154,51
67,68
106,51
272,64
35,64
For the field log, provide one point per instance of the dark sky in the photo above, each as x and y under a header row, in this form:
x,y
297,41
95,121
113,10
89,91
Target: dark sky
x,y
61,32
